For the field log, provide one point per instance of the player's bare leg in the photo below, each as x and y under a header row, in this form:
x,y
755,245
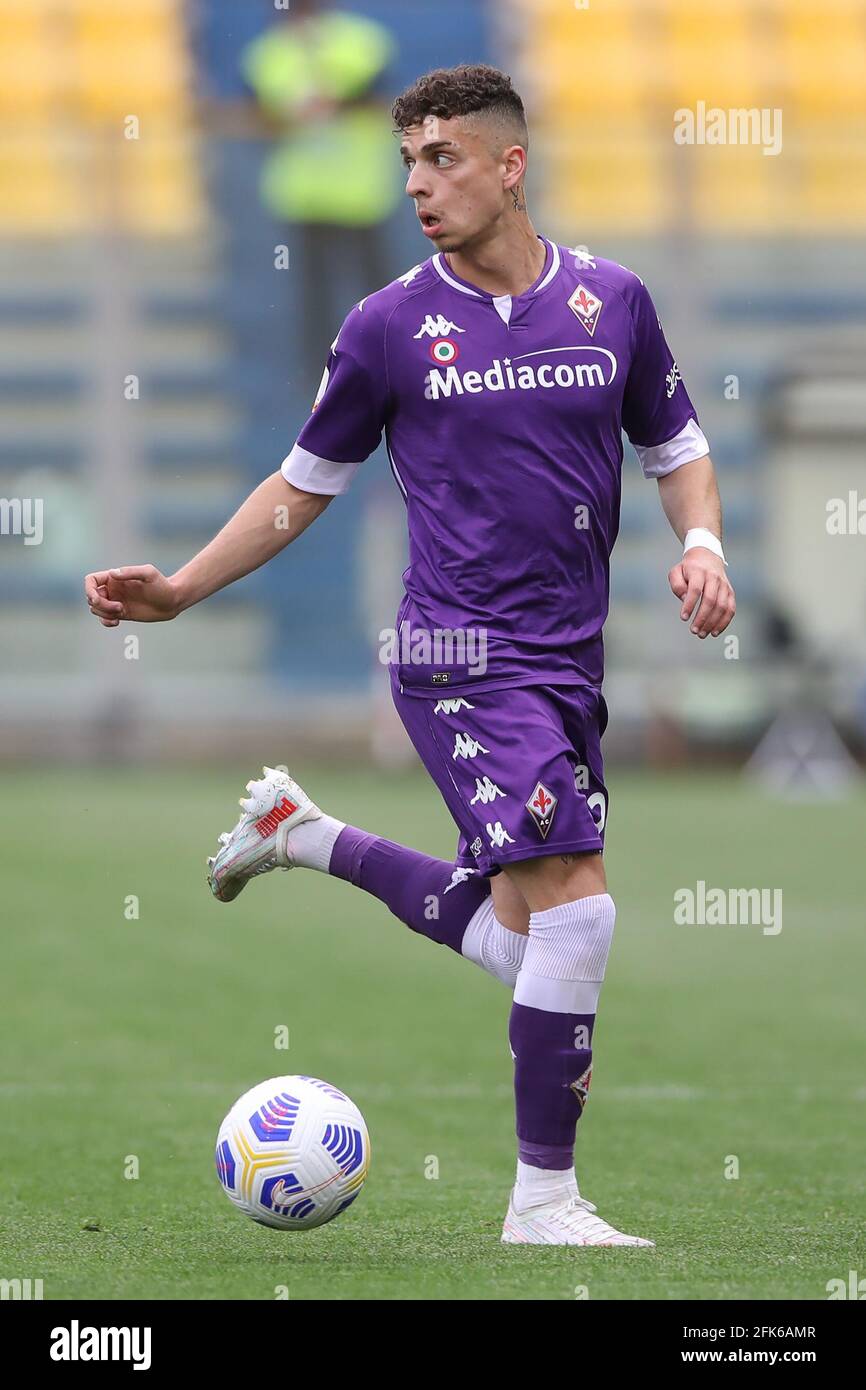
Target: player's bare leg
x,y
552,1020
554,879
512,909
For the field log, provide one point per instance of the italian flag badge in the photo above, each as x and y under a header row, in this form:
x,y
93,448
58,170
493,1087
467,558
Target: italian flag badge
x,y
444,350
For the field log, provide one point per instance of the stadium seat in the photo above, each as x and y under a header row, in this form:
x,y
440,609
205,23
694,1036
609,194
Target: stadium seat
x,y
614,178
822,55
43,184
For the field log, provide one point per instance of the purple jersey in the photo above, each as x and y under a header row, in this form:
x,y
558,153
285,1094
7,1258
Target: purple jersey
x,y
502,417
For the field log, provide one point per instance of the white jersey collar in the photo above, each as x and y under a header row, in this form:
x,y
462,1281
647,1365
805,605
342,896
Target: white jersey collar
x,y
441,268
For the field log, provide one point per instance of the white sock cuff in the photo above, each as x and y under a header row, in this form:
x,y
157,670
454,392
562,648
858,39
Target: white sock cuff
x,y
496,949
312,842
572,942
581,910
565,960
538,1186
530,1176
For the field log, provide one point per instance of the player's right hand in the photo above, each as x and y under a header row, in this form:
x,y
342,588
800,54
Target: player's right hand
x,y
134,593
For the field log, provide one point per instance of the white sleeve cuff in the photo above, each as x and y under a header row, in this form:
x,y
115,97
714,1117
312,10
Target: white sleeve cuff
x,y
658,459
313,474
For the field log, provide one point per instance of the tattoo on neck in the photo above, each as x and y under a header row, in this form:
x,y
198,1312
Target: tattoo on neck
x,y
519,204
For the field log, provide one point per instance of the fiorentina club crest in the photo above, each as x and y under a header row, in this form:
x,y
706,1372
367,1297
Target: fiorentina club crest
x,y
541,806
586,306
580,1087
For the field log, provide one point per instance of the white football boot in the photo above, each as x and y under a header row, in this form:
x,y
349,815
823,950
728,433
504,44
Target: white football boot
x,y
567,1220
258,842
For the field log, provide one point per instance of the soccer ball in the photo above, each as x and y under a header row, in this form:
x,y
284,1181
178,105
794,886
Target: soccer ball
x,y
293,1152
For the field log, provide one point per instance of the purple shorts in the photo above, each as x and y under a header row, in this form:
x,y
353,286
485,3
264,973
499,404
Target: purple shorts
x,y
520,770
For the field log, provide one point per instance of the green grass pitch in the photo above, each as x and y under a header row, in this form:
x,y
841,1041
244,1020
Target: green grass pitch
x,y
133,1037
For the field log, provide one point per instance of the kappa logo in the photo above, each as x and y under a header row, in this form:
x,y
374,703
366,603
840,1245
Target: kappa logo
x,y
541,806
459,876
268,824
407,278
451,706
586,306
486,791
672,378
440,327
498,835
465,746
585,257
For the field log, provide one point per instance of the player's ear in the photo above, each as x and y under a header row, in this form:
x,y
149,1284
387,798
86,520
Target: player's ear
x,y
514,166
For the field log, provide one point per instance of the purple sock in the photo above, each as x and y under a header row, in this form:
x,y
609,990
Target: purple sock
x,y
421,891
551,1081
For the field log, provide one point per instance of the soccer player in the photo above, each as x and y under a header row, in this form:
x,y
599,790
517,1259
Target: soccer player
x,y
502,371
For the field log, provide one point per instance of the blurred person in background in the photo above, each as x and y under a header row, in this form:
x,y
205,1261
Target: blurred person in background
x,y
316,76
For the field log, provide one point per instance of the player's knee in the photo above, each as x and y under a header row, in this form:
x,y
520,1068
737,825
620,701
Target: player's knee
x,y
573,942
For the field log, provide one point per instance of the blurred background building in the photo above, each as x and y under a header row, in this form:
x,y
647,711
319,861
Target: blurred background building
x,y
193,193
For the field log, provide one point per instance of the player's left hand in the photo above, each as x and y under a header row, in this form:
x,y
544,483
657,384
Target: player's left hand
x,y
706,592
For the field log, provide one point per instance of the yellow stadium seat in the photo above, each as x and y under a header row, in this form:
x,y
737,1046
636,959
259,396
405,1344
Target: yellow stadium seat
x,y
110,85
822,56
588,57
643,59
124,33
610,179
44,185
32,66
159,188
109,13
714,56
71,71
831,176
828,9
739,190
32,81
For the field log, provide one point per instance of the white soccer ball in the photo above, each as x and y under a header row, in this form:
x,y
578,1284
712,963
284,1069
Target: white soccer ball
x,y
293,1152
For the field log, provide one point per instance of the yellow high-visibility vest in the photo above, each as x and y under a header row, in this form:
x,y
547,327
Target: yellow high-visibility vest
x,y
341,168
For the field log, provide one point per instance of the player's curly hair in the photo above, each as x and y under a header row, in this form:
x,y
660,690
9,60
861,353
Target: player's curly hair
x,y
462,91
